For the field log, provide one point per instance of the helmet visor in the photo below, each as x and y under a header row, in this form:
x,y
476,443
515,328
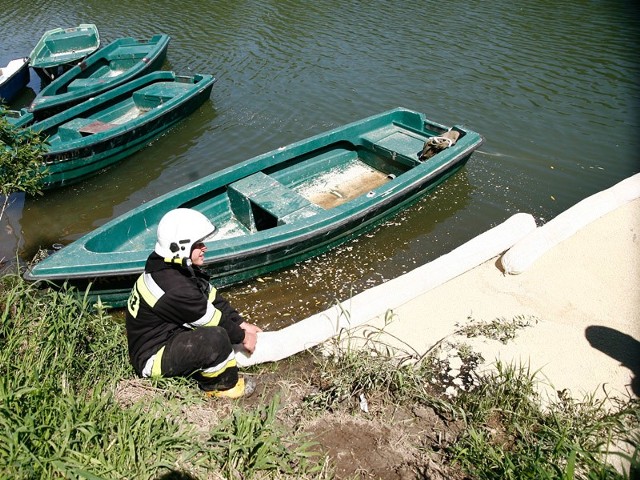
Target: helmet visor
x,y
208,237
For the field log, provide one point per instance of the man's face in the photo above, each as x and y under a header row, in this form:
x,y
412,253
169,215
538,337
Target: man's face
x,y
197,253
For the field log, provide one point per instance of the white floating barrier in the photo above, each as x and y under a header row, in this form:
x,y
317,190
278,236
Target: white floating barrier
x,y
525,252
374,302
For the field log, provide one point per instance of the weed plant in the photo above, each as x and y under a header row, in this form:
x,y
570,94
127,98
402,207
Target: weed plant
x,y
509,433
373,368
500,329
245,444
510,436
21,168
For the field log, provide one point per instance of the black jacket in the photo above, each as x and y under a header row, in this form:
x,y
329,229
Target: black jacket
x,y
168,298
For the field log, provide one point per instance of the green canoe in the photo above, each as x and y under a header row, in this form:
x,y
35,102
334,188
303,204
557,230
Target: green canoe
x,y
62,47
101,131
279,208
113,65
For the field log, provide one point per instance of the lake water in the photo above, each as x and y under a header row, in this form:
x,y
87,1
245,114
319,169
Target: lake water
x,y
552,86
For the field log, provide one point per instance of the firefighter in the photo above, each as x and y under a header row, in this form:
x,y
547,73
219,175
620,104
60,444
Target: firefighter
x,y
177,322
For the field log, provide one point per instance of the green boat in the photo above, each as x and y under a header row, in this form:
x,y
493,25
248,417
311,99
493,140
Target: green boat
x,y
95,134
113,65
62,47
278,208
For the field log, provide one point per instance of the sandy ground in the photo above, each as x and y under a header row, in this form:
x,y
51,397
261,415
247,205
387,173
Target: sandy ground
x,y
584,294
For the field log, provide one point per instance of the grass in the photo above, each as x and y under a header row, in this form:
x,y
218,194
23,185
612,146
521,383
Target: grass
x,y
500,329
509,433
249,443
510,436
374,368
60,363
62,414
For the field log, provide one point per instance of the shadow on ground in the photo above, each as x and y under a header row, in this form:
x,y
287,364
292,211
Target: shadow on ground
x,y
619,346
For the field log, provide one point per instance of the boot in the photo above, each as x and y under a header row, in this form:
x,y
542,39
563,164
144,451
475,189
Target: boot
x,y
244,388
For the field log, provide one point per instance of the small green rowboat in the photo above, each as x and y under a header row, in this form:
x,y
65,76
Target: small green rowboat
x,y
113,65
95,134
62,47
279,208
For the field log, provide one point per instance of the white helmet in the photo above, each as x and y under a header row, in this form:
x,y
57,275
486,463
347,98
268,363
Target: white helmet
x,y
179,229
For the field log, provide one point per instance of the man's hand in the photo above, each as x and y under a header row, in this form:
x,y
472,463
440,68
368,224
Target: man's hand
x,y
250,336
249,342
248,327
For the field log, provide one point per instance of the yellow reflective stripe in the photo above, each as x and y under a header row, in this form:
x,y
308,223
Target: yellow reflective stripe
x,y
149,289
219,369
133,304
212,293
211,318
156,370
215,321
177,261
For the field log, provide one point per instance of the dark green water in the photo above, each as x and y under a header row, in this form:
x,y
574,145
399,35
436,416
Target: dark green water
x,y
552,86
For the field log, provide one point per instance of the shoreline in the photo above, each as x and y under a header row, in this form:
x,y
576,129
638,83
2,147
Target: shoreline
x,y
581,291
585,294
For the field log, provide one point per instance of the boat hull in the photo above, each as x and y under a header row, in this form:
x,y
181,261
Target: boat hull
x,y
14,79
276,209
90,137
115,64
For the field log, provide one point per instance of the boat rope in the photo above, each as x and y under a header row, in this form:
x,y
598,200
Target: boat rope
x,y
437,143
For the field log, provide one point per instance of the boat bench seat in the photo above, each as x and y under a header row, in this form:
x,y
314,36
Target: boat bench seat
x,y
260,202
81,83
132,51
81,127
402,145
103,71
150,100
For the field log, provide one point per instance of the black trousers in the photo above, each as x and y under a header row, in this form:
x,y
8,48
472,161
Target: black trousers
x,y
191,351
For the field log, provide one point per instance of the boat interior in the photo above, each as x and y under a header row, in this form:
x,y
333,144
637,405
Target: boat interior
x,y
72,42
322,180
294,189
12,67
102,70
121,111
115,63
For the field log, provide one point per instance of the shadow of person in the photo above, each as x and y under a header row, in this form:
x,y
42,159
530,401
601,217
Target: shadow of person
x,y
619,346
